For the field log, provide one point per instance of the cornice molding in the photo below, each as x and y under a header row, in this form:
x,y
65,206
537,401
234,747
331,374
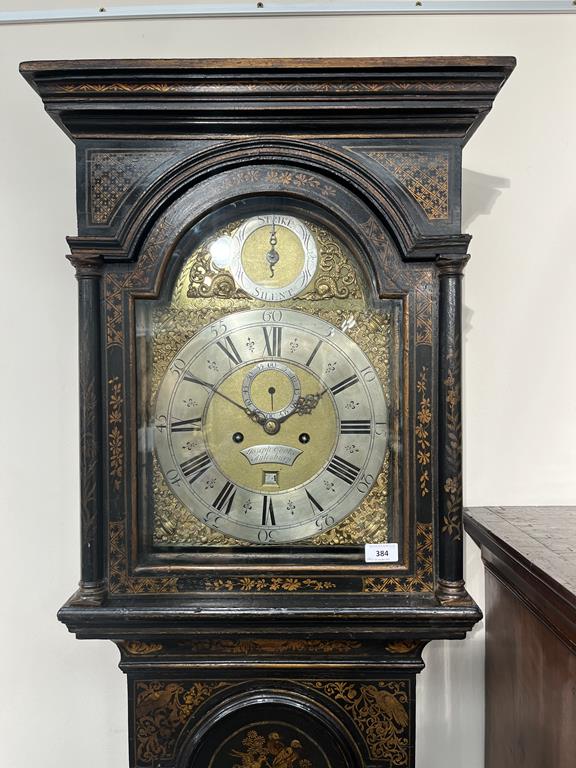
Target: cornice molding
x,y
446,97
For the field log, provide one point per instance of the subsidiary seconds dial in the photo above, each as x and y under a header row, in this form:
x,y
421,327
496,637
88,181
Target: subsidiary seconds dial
x,y
271,425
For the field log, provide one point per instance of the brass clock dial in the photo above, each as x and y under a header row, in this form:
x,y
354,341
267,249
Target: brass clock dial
x,y
273,257
269,453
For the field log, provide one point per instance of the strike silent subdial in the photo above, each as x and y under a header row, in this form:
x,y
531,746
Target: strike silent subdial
x,y
272,257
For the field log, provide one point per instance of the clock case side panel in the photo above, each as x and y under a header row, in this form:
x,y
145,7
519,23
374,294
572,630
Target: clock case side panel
x,y
122,281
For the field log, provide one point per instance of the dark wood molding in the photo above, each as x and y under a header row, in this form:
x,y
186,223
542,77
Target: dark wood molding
x,y
413,616
445,97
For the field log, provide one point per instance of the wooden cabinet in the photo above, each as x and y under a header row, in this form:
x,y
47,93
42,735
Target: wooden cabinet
x,y
530,559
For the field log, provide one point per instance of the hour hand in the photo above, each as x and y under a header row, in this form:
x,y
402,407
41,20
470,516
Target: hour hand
x,y
304,405
307,403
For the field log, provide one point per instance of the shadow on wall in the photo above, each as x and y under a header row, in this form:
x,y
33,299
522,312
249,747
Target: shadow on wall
x,y
479,194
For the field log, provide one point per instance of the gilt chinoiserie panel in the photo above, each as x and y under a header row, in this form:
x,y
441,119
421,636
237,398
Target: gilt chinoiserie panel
x,y
269,259
374,722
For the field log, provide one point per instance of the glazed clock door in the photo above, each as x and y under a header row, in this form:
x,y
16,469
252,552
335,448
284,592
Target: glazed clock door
x,y
269,396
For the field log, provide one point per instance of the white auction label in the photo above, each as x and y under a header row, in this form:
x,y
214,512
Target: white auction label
x,y
381,553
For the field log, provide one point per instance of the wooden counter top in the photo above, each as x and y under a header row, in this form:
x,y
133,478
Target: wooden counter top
x,y
534,550
530,558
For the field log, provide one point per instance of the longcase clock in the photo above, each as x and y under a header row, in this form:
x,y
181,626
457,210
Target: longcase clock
x,y
269,262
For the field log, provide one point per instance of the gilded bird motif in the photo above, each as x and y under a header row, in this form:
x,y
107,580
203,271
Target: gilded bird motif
x,y
274,743
288,756
157,699
269,751
249,760
389,704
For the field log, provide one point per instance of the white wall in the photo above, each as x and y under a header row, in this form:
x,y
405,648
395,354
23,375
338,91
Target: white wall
x,y
63,702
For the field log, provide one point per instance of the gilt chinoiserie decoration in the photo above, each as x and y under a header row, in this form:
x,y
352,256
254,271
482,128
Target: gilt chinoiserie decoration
x,y
269,261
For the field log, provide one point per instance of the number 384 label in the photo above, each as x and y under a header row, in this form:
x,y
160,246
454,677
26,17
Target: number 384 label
x,y
381,553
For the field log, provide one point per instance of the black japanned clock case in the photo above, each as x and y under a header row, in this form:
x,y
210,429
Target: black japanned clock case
x,y
234,216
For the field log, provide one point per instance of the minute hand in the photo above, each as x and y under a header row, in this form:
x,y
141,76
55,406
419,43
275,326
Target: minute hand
x,y
206,384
